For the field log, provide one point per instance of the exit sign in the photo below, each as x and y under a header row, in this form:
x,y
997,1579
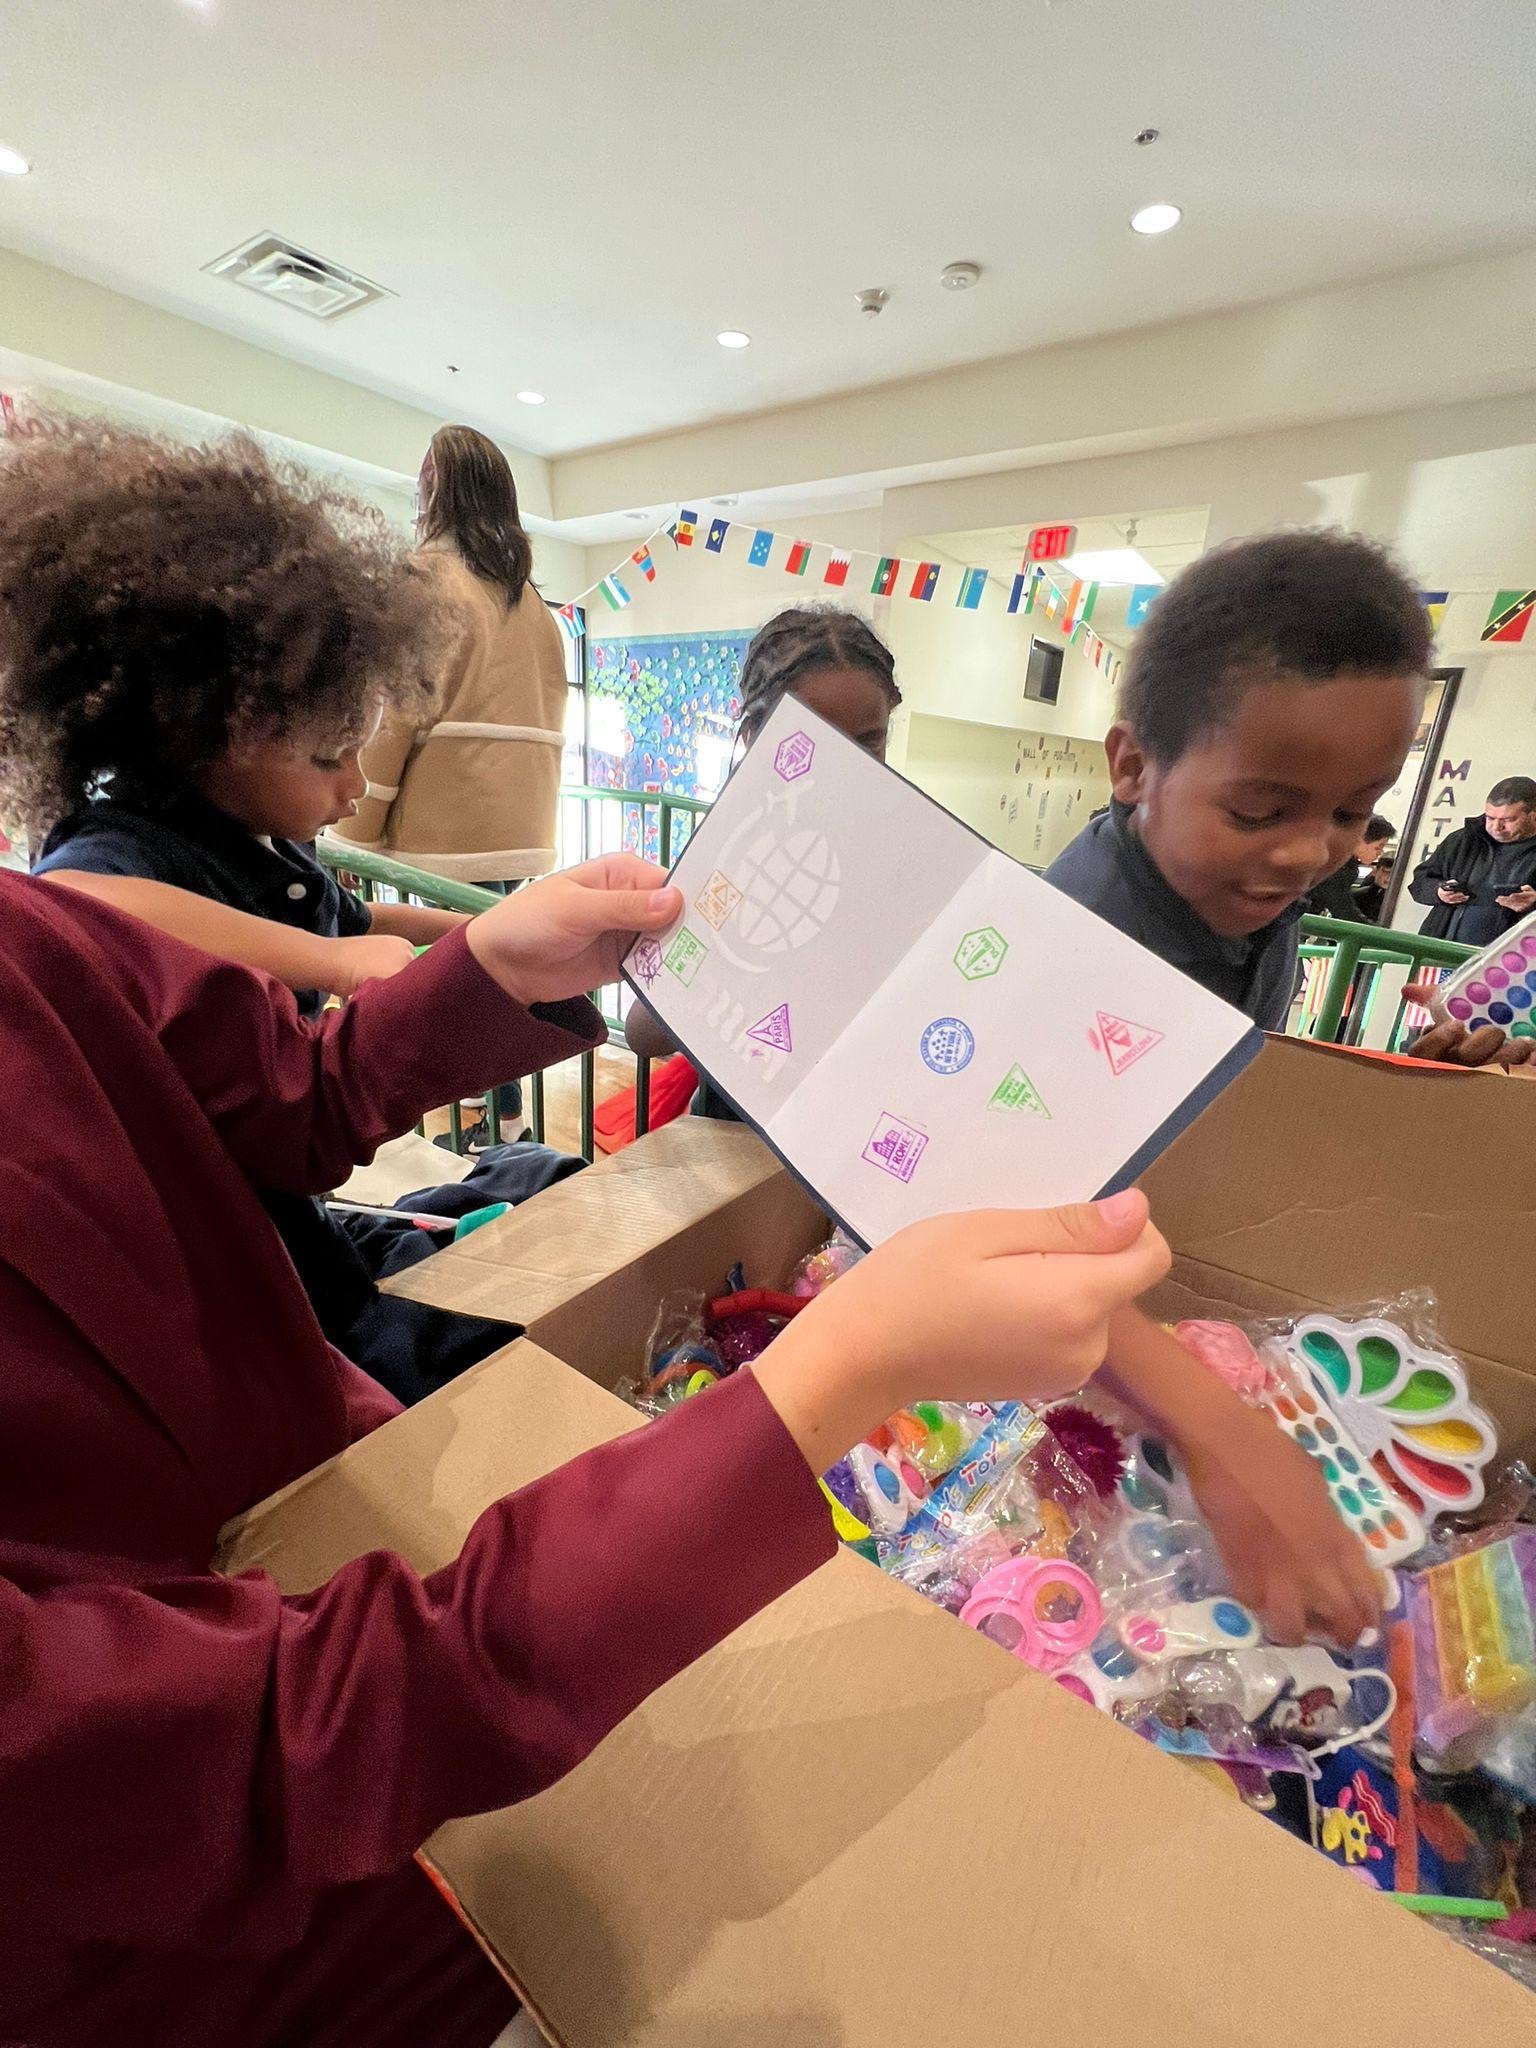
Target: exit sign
x,y
1050,543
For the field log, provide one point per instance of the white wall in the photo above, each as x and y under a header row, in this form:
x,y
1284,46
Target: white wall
x,y
558,565
1029,793
1451,489
971,665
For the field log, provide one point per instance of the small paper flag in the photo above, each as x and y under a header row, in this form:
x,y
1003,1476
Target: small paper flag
x,y
1509,617
613,593
1141,601
971,588
1022,596
687,526
642,561
884,584
925,582
715,540
799,558
761,549
1434,603
837,570
569,622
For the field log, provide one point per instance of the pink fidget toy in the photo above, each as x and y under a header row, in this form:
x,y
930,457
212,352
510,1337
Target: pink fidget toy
x,y
1040,1610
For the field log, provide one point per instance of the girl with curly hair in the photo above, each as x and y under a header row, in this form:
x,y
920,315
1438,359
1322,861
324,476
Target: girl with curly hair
x,y
194,645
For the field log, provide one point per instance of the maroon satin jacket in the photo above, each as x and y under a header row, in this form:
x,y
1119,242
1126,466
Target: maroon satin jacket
x,y
210,1794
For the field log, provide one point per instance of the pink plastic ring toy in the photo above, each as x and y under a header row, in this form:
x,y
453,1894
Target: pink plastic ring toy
x,y
1023,1594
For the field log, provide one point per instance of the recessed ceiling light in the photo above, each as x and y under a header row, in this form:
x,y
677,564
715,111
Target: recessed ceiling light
x,y
1112,566
12,163
732,337
530,398
1158,219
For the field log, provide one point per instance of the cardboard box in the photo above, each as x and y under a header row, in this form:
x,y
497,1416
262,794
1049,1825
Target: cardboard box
x,y
857,1823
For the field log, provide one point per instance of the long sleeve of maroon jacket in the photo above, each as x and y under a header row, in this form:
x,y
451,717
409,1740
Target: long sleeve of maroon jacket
x,y
186,1762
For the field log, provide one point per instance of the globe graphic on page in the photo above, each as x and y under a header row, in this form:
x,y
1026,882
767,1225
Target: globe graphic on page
x,y
789,890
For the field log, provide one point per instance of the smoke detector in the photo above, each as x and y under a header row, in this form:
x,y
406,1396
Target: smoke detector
x,y
872,303
294,277
960,277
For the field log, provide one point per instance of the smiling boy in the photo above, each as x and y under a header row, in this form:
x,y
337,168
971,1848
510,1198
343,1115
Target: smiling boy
x,y
1270,701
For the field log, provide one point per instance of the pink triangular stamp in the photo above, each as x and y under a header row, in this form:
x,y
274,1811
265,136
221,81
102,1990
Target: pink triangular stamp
x,y
773,1030
1123,1042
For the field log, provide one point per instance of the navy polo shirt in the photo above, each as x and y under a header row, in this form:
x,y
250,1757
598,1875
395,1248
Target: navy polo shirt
x,y
189,843
1108,870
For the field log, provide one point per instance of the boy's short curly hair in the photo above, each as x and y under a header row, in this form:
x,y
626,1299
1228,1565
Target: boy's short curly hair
x,y
158,602
1305,605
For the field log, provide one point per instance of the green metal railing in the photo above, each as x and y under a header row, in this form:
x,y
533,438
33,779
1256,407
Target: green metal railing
x,y
622,818
1355,955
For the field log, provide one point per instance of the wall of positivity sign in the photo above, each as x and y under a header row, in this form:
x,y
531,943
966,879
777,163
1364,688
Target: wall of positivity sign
x,y
916,1023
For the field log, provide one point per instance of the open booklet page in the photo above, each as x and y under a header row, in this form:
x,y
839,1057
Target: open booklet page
x,y
914,1022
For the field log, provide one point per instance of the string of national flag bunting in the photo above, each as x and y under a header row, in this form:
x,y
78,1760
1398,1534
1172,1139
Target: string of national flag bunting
x,y
1031,589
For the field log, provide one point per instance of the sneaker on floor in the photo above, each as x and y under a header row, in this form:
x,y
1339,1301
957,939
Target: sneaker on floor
x,y
476,1138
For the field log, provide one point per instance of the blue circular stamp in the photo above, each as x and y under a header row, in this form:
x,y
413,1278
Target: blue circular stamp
x,y
948,1045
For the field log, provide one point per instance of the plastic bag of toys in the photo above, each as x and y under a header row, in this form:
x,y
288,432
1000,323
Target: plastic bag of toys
x,y
1400,1428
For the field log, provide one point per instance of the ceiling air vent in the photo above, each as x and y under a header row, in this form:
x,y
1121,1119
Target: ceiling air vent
x,y
280,270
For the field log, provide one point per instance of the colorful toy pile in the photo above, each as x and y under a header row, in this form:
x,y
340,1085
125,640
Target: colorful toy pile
x,y
1073,1541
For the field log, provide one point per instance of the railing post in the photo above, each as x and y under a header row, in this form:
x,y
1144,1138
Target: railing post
x,y
588,1106
1341,973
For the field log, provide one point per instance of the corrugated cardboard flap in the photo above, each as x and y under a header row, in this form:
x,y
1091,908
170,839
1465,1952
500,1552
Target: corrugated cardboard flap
x,y
1324,1180
575,1234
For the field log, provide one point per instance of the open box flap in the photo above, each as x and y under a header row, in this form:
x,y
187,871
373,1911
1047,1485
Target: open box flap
x,y
1324,1180
576,1233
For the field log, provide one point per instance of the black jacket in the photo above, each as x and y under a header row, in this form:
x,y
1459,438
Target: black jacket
x,y
1486,870
1335,895
1107,869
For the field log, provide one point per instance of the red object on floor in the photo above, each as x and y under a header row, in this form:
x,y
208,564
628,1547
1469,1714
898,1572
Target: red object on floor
x,y
672,1087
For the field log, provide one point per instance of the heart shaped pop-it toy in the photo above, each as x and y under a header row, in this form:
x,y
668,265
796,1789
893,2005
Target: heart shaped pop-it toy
x,y
1407,1408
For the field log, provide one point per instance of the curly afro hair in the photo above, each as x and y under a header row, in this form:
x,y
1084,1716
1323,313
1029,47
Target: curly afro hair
x,y
160,602
1304,605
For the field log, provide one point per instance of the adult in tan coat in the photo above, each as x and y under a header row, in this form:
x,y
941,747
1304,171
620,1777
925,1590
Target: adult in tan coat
x,y
472,793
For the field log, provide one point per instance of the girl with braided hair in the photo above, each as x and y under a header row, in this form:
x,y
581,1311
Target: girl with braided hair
x,y
834,663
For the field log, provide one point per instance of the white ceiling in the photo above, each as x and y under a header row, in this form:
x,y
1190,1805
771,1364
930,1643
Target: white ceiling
x,y
574,195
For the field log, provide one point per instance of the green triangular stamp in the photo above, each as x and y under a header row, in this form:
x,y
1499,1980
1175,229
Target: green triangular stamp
x,y
1018,1093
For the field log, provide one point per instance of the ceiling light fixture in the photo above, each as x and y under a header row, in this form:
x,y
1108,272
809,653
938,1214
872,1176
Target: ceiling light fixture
x,y
530,398
1157,219
960,277
732,337
1112,566
12,163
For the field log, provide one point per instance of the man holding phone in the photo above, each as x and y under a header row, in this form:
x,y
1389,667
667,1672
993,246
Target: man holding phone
x,y
1481,879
